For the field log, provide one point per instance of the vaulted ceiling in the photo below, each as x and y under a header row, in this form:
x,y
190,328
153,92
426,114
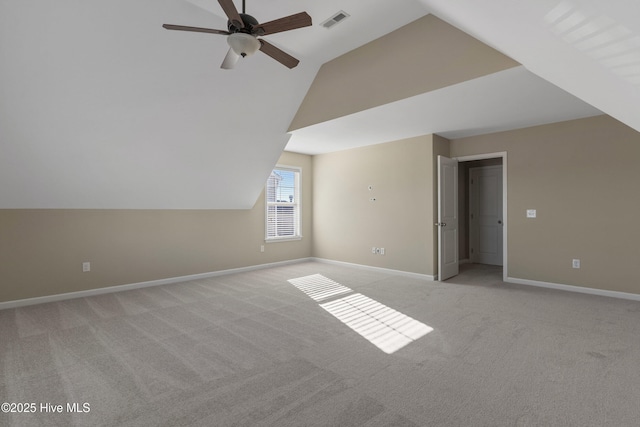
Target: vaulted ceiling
x,y
100,107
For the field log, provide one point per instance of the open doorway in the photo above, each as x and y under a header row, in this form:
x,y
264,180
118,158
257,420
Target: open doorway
x,y
482,204
481,210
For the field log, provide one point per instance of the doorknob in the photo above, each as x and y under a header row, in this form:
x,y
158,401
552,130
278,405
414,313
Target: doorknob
x,y
499,221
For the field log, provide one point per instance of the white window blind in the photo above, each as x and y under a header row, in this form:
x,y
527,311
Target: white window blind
x,y
283,204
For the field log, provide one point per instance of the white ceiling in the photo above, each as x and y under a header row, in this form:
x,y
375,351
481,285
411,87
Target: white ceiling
x,y
510,99
100,107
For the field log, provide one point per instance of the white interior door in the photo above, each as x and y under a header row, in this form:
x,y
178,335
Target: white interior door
x,y
448,265
485,215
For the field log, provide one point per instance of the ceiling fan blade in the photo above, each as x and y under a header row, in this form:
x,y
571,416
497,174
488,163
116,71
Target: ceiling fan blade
x,y
195,29
287,23
277,54
231,12
230,60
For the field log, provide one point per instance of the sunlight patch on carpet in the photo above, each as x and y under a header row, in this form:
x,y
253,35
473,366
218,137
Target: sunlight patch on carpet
x,y
319,287
384,327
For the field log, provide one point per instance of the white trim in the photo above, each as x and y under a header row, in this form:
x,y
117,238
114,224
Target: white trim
x,y
378,269
282,239
571,288
505,218
171,280
483,156
132,286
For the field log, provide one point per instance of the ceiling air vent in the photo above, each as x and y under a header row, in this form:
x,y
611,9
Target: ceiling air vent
x,y
337,17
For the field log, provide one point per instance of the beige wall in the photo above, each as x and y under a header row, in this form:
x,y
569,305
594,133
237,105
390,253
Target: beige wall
x,y
582,176
41,251
365,78
347,224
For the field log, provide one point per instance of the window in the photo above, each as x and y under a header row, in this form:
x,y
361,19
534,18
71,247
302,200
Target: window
x,y
282,196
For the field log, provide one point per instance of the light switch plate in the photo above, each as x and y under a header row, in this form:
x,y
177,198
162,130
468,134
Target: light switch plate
x,y
531,213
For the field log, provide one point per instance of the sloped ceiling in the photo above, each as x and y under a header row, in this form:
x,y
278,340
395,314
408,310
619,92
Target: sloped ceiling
x,y
434,78
102,108
482,105
420,57
589,48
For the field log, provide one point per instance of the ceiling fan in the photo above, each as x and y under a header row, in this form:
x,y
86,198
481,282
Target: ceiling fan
x,y
244,30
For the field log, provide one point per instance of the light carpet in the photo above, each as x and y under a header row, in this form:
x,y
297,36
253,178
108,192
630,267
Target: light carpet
x,y
252,349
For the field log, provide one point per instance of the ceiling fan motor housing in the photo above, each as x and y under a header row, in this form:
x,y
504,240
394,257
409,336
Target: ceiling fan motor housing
x,y
248,21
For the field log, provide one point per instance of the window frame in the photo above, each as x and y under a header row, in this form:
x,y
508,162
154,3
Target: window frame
x,y
296,204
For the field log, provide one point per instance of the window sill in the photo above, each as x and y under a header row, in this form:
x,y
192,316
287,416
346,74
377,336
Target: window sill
x,y
282,239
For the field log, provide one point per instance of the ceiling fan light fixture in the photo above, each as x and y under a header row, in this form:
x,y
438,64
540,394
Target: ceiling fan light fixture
x,y
243,44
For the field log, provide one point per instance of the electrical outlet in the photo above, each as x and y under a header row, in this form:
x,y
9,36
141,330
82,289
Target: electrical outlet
x,y
86,266
261,248
531,213
576,263
381,251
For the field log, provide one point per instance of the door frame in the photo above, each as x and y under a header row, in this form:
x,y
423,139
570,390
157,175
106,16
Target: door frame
x,y
505,220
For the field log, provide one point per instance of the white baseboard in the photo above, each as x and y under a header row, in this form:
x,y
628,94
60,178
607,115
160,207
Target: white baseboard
x,y
378,269
571,288
167,281
128,287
